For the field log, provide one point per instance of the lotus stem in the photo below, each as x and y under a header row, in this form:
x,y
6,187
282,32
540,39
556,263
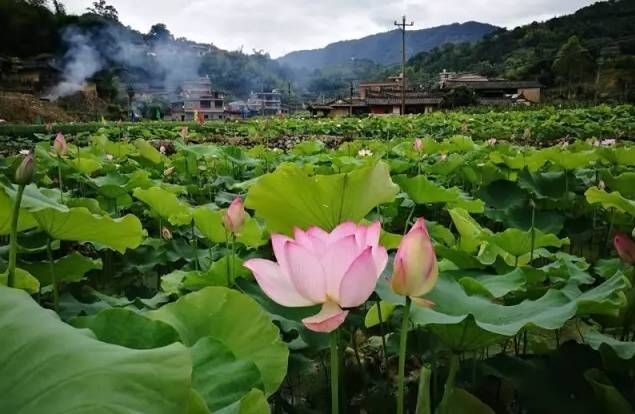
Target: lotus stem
x,y
402,357
335,361
423,394
449,383
533,231
56,292
13,238
381,332
197,265
59,178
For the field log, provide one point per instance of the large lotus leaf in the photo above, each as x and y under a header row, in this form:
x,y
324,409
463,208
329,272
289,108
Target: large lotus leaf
x,y
289,197
610,200
237,321
79,224
165,204
71,268
219,376
453,305
147,151
49,367
254,402
607,395
462,402
423,191
597,341
470,231
111,185
199,150
495,286
550,184
85,165
518,243
573,160
210,223
25,219
35,199
503,195
23,280
127,328
623,183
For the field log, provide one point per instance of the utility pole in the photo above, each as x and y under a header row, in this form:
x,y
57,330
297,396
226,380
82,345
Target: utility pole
x,y
350,107
402,27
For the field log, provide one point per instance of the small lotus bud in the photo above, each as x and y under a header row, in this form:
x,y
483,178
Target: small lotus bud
x,y
602,185
162,149
60,146
184,132
418,145
168,172
25,171
166,234
234,218
109,157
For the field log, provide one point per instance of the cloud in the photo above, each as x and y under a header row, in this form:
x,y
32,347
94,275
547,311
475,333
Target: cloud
x,y
287,25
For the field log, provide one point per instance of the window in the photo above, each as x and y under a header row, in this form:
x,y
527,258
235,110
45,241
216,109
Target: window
x,y
218,104
206,104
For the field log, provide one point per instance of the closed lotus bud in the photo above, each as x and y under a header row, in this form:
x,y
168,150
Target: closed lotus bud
x,y
25,171
418,145
168,172
166,234
162,149
415,270
625,247
184,132
60,146
234,218
633,233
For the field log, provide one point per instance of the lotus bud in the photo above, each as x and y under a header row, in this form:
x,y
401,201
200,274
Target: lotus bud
x,y
162,149
166,234
415,270
25,171
625,247
184,132
444,157
168,172
418,145
109,157
60,146
602,185
234,218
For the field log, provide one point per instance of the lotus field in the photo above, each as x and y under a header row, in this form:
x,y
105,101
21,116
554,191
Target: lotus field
x,y
147,269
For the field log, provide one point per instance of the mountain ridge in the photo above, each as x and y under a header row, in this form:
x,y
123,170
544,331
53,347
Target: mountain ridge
x,y
383,48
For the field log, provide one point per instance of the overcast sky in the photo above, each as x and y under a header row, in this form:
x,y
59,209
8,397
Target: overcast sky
x,y
282,26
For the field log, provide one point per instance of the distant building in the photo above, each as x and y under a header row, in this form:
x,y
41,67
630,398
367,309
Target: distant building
x,y
197,97
35,75
493,91
384,97
266,103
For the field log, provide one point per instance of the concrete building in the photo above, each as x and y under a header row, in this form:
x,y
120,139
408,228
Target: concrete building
x,y
266,103
198,98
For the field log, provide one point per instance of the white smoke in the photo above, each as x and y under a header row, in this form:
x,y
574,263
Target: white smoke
x,y
81,62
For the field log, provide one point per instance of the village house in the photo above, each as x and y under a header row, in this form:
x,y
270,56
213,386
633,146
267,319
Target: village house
x,y
35,76
197,98
384,97
266,103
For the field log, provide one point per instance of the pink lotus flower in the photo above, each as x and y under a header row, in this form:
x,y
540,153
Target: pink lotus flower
x,y
59,145
338,270
418,145
234,218
625,247
415,270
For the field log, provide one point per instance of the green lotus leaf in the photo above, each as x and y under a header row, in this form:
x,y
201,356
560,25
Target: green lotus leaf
x,y
25,219
127,328
503,195
35,199
372,316
289,197
550,184
495,286
85,165
111,185
423,191
165,204
610,200
234,319
597,341
147,151
623,183
79,224
573,160
453,305
461,401
47,366
210,223
23,280
608,396
71,268
470,231
517,242
219,376
199,150
254,402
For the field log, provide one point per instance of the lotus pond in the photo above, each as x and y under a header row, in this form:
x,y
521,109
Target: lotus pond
x,y
453,273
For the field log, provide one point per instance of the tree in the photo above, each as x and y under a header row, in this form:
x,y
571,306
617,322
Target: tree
x,y
573,62
59,8
101,8
159,32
